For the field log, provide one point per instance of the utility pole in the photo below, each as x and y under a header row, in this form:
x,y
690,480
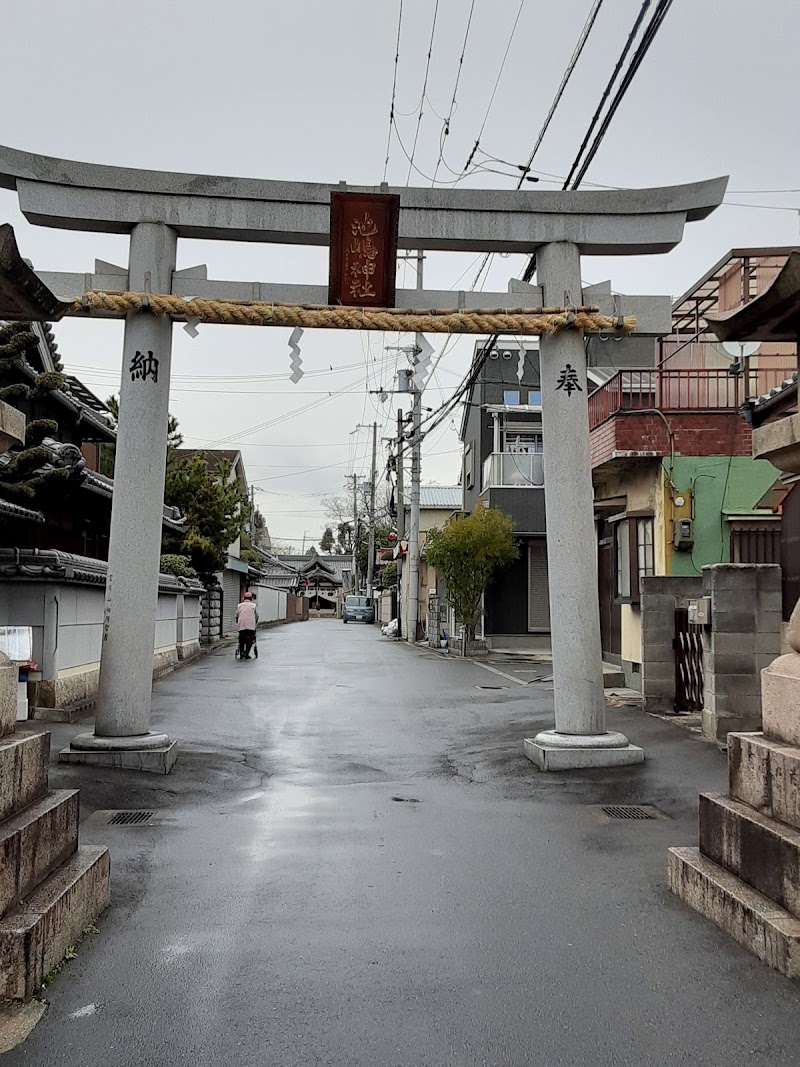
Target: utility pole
x,y
401,518
416,473
354,535
371,542
252,516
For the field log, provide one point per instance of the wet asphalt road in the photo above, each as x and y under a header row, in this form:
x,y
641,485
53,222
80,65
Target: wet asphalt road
x,y
354,865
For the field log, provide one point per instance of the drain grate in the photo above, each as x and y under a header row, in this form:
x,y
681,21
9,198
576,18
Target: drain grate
x,y
131,818
491,687
627,811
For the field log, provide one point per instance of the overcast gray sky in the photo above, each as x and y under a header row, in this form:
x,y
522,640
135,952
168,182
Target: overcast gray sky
x,y
301,90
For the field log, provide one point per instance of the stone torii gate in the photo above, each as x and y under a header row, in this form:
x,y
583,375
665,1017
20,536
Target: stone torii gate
x,y
159,208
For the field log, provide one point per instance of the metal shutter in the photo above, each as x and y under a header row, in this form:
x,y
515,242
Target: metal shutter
x,y
231,586
538,593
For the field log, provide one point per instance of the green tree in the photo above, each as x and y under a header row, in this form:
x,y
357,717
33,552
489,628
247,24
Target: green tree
x,y
108,452
327,542
466,552
22,476
216,509
387,575
344,539
362,548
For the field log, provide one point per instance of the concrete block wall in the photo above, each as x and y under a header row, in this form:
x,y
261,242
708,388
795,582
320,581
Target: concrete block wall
x,y
743,639
660,596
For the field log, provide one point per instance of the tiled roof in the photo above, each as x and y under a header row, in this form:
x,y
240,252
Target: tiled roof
x,y
785,386
447,497
17,511
337,564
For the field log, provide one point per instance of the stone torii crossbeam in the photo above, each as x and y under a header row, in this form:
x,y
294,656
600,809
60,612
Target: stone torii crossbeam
x,y
158,208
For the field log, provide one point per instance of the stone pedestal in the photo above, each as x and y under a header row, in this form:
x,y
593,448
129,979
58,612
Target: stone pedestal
x,y
745,875
553,751
50,888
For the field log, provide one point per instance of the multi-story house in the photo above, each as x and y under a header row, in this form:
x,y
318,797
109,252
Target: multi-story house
x,y
501,431
675,483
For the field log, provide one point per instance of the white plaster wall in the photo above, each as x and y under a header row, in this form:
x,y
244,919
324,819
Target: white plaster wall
x,y
631,634
271,603
166,624
74,615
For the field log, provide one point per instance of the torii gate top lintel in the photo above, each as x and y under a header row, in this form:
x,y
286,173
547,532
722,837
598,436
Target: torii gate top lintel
x,y
87,196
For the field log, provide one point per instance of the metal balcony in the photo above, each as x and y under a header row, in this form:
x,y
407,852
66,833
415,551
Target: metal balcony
x,y
513,470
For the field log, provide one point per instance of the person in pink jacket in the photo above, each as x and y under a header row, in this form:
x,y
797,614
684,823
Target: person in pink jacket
x,y
246,622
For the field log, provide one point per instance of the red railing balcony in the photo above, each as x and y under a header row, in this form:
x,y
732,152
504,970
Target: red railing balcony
x,y
666,390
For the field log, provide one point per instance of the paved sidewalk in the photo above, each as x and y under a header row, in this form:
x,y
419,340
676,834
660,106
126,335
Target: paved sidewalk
x,y
353,864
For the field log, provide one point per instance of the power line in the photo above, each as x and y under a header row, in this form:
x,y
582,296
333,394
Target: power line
x,y
239,378
446,128
424,90
584,158
587,29
494,90
525,170
394,91
656,21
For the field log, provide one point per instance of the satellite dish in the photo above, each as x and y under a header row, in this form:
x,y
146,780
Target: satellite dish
x,y
741,349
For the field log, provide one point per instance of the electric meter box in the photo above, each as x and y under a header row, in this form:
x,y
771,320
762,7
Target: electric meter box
x,y
684,535
700,611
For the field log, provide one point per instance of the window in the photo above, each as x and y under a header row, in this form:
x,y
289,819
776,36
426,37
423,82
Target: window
x,y
622,552
756,542
469,466
535,398
527,441
645,552
634,554
511,397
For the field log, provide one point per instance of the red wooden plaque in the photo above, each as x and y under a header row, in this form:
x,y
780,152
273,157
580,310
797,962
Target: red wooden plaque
x,y
363,258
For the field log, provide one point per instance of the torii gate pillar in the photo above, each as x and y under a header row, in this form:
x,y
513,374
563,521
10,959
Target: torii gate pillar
x,y
580,738
122,735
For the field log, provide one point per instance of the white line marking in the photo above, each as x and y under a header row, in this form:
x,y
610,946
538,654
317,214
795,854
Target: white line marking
x,y
502,674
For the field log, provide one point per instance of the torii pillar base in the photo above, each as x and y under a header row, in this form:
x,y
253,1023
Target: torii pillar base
x,y
552,751
145,752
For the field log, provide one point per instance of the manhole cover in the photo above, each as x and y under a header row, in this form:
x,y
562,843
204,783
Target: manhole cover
x,y
628,811
131,818
405,800
491,687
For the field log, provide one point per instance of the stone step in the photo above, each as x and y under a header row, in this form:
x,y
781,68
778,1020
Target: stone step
x,y
35,935
67,713
761,851
766,930
35,842
24,761
766,775
613,676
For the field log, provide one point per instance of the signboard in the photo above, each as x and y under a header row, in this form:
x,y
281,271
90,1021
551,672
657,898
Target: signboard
x,y
363,254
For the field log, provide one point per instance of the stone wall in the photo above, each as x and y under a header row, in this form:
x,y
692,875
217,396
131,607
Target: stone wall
x,y
211,614
743,639
660,597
